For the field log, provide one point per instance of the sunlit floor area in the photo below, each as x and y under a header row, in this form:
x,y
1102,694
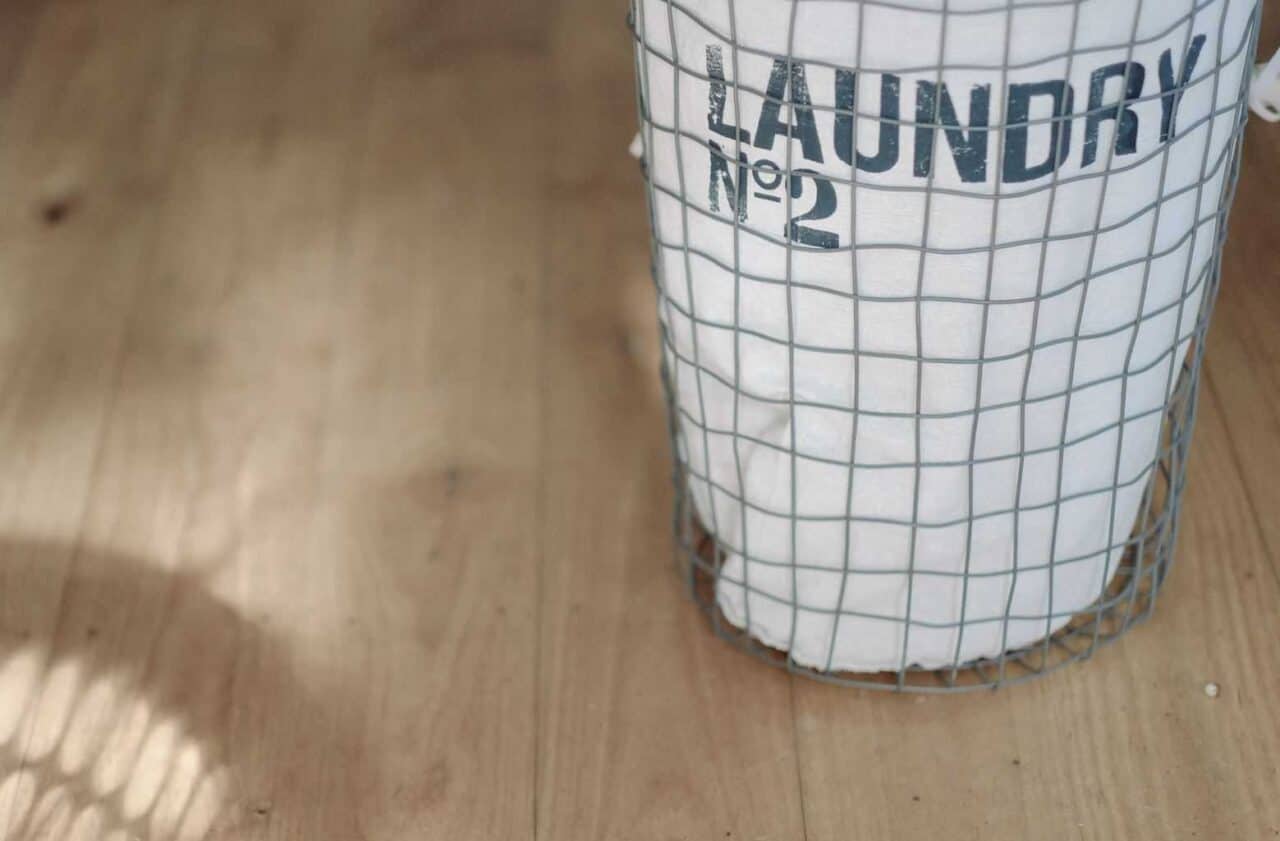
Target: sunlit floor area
x,y
335,492
97,761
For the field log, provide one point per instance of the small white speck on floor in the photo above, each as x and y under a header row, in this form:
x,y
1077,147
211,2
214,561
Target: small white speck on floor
x,y
1212,689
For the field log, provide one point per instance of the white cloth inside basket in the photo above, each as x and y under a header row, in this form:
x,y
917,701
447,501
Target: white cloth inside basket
x,y
1080,300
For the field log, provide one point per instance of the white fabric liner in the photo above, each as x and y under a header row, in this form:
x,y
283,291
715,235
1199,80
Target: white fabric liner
x,y
851,535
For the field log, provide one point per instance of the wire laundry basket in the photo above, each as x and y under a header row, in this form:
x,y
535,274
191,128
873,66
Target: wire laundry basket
x,y
933,279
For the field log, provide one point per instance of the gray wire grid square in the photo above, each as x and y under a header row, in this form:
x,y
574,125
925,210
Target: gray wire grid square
x,y
1146,554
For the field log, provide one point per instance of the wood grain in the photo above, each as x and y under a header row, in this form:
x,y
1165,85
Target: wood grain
x,y
647,729
1244,365
432,457
336,488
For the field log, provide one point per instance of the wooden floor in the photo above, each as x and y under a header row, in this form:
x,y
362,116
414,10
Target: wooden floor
x,y
334,496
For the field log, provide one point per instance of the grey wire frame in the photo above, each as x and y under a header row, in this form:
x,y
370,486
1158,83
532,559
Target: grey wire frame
x,y
1147,553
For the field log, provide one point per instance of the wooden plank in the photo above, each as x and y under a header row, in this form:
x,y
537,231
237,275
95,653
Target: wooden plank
x,y
80,173
171,704
322,434
18,21
431,468
92,100
649,727
1243,361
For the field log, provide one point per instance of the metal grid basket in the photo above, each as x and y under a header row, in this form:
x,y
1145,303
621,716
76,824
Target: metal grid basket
x,y
930,407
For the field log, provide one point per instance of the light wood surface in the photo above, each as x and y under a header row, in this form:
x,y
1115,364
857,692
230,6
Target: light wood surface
x,y
335,497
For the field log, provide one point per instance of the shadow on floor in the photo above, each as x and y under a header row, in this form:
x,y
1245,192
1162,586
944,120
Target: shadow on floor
x,y
117,683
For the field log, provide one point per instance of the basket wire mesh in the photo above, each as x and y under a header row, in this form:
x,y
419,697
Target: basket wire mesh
x,y
713,506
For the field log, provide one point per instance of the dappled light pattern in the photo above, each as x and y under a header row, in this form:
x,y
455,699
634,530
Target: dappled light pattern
x,y
86,755
117,681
